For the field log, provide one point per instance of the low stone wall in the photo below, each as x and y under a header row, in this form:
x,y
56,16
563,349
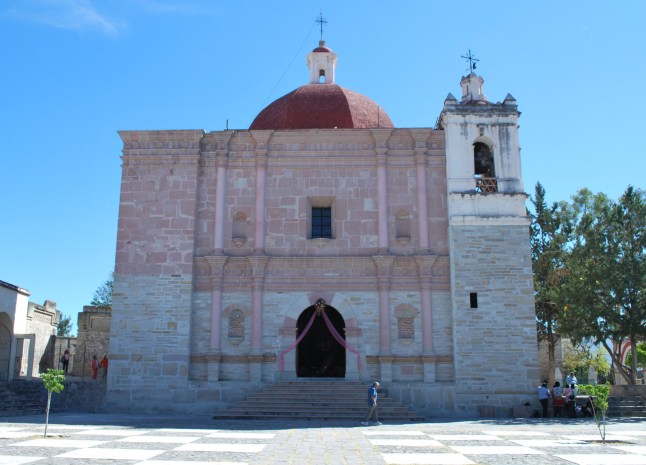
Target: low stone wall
x,y
80,396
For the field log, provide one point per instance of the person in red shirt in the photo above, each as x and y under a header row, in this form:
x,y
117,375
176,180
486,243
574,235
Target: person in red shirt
x,y
104,366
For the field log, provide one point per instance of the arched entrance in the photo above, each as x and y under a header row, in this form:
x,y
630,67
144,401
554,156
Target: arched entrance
x,y
5,350
319,354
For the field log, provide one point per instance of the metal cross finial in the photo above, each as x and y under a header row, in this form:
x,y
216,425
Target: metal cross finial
x,y
321,20
472,61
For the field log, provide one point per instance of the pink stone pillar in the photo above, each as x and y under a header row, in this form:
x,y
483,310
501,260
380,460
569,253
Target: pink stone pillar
x,y
217,272
256,315
257,291
216,315
255,357
220,197
382,205
384,316
384,263
385,357
261,176
425,265
422,200
427,319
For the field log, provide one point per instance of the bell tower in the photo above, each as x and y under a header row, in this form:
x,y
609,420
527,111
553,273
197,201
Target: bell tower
x,y
490,257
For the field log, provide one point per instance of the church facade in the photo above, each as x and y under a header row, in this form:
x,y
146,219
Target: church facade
x,y
323,242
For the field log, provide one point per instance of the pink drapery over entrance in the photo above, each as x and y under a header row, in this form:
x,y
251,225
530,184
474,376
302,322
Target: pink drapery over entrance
x,y
335,334
281,360
337,337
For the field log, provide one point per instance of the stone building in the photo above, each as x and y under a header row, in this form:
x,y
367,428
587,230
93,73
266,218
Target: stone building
x,y
26,329
322,242
93,337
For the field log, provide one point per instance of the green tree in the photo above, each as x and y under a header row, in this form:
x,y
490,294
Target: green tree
x,y
583,356
641,354
600,394
65,326
103,294
53,381
606,273
549,234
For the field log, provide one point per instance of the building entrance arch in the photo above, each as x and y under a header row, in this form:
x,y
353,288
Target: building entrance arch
x,y
5,352
319,354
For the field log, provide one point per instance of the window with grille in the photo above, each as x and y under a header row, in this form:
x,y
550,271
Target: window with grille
x,y
321,222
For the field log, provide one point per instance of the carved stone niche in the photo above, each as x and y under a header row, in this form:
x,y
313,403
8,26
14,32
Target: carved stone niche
x,y
240,226
235,317
402,227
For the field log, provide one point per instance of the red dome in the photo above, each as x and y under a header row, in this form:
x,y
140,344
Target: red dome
x,y
322,106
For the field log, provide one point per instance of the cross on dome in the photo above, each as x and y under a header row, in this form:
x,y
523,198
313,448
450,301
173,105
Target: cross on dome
x,y
321,20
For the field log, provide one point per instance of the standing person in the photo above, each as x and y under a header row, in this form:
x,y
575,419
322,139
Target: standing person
x,y
571,405
566,399
66,360
372,405
571,379
557,400
95,366
543,397
104,366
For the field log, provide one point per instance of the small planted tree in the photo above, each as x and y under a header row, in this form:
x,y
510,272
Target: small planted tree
x,y
53,381
600,394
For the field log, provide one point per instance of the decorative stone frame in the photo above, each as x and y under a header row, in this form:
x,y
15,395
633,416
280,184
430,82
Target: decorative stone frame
x,y
236,314
320,202
406,314
353,334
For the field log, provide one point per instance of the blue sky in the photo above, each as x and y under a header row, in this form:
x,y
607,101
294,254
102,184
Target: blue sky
x,y
74,72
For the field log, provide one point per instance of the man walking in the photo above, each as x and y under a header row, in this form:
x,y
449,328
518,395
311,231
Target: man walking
x,y
372,405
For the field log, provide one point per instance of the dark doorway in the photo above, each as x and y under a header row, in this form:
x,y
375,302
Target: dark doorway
x,y
319,354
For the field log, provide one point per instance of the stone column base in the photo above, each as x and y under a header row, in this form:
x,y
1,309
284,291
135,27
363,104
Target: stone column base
x,y
255,368
213,368
386,366
429,369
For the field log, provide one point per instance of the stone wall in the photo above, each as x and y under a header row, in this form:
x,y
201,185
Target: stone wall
x,y
496,359
149,347
42,321
93,338
59,345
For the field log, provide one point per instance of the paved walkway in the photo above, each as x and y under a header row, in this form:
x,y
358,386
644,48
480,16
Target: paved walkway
x,y
94,439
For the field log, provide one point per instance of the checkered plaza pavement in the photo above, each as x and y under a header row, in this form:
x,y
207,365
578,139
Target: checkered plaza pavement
x,y
95,439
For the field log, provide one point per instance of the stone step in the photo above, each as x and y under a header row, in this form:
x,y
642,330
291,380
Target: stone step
x,y
626,406
327,407
312,416
318,399
20,397
340,405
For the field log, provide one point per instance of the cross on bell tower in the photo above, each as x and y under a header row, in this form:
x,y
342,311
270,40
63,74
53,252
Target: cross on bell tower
x,y
321,20
472,61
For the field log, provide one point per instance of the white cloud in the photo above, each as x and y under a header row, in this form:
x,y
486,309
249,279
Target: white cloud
x,y
80,15
175,6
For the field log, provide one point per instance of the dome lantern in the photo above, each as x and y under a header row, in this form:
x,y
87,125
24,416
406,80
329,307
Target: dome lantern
x,y
322,64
